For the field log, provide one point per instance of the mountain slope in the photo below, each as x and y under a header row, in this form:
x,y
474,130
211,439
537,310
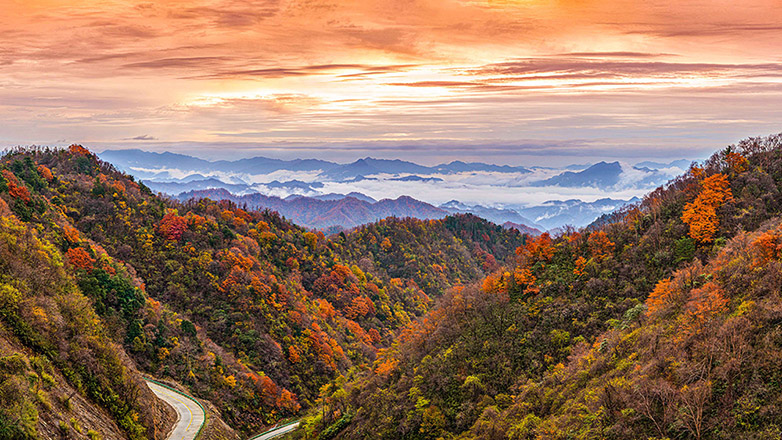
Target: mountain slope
x,y
524,229
59,368
699,359
242,307
660,323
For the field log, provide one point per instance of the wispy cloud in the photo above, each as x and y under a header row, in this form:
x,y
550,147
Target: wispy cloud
x,y
177,63
364,77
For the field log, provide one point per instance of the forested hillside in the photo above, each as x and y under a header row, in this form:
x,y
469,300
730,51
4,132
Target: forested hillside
x,y
660,321
242,307
61,372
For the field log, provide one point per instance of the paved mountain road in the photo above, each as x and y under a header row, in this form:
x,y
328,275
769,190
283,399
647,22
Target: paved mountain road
x,y
190,414
276,432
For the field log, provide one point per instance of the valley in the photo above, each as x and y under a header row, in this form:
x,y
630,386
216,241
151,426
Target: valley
x,y
390,220
401,328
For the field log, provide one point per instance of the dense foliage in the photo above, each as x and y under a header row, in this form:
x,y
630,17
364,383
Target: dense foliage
x,y
52,344
246,309
660,321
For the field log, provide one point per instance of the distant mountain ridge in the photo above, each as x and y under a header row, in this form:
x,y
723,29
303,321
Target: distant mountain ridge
x,y
573,212
167,167
606,175
195,185
524,229
495,215
601,174
330,211
347,212
682,164
145,162
298,183
335,196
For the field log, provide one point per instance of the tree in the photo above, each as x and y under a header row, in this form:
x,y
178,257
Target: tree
x,y
701,214
46,173
78,150
599,245
663,295
80,259
768,246
16,189
172,226
693,405
70,233
287,401
736,162
539,249
704,303
580,263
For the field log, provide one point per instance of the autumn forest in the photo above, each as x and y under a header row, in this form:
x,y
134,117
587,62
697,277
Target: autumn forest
x,y
660,320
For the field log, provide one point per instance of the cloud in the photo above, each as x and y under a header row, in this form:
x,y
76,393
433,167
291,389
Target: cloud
x,y
144,137
624,54
176,63
721,30
544,66
315,69
477,193
351,78
436,84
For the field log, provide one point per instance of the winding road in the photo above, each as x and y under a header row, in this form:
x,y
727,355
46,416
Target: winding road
x,y
276,432
191,415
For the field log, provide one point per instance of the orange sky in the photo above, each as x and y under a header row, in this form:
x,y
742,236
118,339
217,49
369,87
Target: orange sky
x,y
511,80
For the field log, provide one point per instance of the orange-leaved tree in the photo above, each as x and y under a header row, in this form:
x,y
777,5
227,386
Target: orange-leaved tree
x,y
767,246
538,249
580,263
701,214
15,189
664,294
46,173
703,304
79,150
736,162
80,259
599,245
172,226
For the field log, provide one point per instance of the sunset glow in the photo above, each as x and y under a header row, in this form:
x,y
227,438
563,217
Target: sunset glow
x,y
512,80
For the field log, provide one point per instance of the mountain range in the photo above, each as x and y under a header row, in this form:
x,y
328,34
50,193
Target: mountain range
x,y
348,211
608,175
499,193
147,164
103,284
343,212
555,214
662,320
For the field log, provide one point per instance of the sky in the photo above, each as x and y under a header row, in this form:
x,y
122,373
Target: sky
x,y
522,82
